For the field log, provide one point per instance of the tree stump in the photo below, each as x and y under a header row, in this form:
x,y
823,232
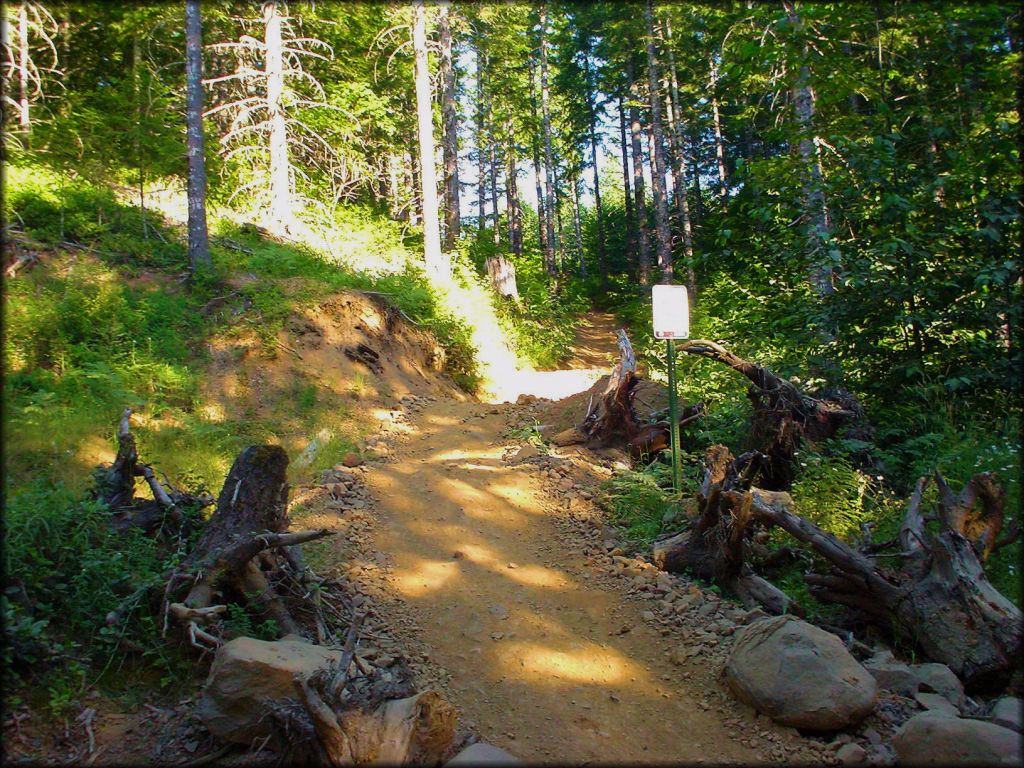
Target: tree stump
x,y
502,273
611,419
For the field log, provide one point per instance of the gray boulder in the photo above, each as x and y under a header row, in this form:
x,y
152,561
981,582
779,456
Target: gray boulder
x,y
938,678
1008,712
935,702
892,675
932,738
247,674
799,675
484,754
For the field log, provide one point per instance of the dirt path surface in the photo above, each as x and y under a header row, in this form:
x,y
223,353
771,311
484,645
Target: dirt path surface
x,y
537,643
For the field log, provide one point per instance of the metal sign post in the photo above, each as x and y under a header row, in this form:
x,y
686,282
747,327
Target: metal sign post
x,y
670,308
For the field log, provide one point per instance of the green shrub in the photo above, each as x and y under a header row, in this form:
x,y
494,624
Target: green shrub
x,y
65,570
832,494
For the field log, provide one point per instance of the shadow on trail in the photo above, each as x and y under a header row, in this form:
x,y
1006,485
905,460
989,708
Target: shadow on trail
x,y
549,666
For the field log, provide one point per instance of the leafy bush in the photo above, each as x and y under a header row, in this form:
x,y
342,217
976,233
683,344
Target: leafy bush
x,y
62,561
833,495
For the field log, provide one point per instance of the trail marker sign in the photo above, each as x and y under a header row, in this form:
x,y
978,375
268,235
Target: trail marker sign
x,y
671,309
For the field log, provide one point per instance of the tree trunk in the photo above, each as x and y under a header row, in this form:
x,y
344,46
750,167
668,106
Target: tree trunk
x,y
577,228
514,210
198,241
436,263
698,197
281,209
549,163
137,138
24,123
719,143
663,236
602,256
449,120
815,213
542,230
627,190
679,173
492,170
481,155
643,249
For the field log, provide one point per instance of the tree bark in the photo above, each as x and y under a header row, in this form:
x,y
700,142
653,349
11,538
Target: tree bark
x,y
481,121
715,547
542,228
719,142
643,249
663,236
251,518
449,119
679,171
281,208
492,170
815,213
611,420
198,241
514,210
578,229
938,599
436,263
24,123
549,163
502,273
602,256
631,238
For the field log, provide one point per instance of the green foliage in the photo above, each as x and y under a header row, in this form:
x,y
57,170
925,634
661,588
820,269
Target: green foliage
x,y
53,208
640,501
637,503
832,495
63,560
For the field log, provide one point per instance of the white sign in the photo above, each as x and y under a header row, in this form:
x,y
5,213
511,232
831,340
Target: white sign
x,y
671,309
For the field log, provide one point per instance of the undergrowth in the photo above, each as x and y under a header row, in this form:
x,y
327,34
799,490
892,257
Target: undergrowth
x,y
109,319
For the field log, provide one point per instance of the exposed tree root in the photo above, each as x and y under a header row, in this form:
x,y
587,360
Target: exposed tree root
x,y
936,598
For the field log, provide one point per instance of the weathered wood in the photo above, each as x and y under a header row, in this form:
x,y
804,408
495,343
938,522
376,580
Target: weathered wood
x,y
783,416
233,552
502,274
715,549
415,730
939,599
936,597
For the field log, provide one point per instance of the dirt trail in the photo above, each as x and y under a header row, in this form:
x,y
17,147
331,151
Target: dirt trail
x,y
531,635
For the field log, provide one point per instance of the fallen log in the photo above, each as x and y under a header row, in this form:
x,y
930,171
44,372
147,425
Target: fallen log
x,y
784,417
936,597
